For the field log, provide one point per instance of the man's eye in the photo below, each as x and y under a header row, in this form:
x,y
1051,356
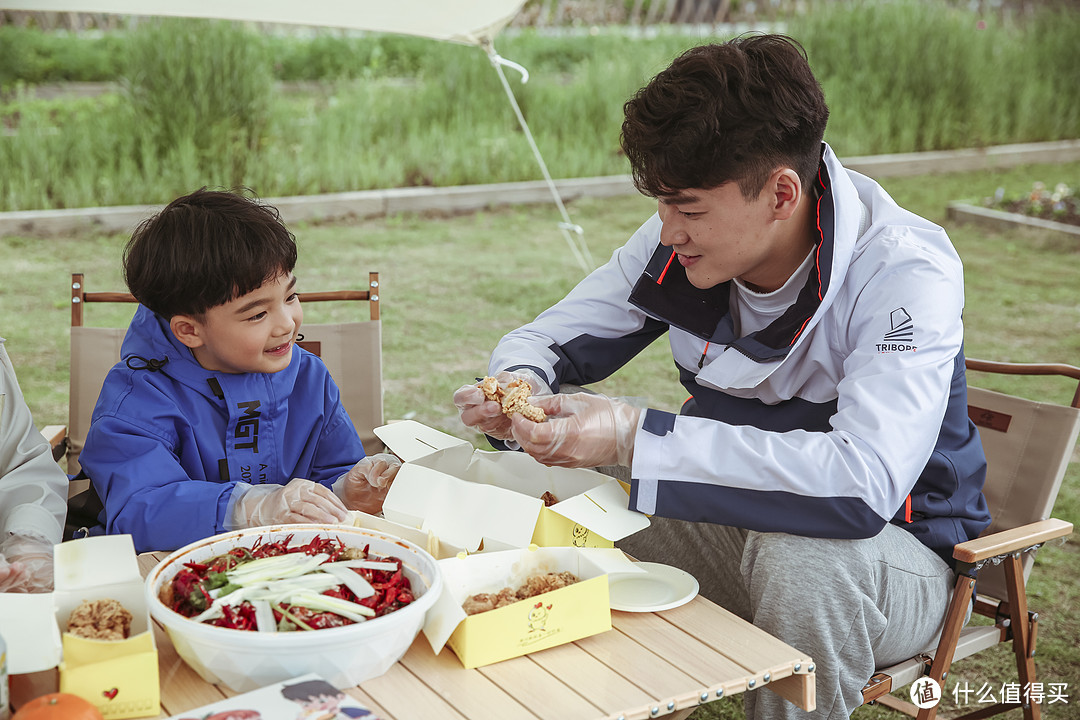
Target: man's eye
x,y
684,213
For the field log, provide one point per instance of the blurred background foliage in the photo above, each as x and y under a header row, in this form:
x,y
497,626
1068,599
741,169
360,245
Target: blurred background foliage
x,y
180,103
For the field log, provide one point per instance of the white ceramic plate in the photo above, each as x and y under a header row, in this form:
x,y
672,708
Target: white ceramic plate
x,y
660,587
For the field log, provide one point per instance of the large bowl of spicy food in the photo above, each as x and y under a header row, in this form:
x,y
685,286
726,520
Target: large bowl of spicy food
x,y
253,607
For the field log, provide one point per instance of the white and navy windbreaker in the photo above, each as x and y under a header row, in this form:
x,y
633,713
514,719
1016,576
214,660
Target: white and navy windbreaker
x,y
847,412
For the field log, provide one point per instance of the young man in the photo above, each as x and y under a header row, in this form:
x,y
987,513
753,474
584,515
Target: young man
x,y
214,419
33,490
824,467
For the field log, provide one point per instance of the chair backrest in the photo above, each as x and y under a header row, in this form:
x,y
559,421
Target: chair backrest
x,y
352,352
1028,445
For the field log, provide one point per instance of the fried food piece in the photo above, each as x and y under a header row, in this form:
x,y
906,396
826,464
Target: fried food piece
x,y
103,619
491,389
482,602
540,584
548,498
514,399
533,585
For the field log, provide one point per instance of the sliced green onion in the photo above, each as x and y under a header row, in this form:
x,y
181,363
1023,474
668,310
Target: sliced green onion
x,y
264,616
275,567
367,564
286,615
350,579
345,608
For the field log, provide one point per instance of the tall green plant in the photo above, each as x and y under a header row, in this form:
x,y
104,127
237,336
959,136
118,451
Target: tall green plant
x,y
201,90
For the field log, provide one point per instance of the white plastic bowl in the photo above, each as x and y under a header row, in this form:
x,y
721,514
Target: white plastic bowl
x,y
345,656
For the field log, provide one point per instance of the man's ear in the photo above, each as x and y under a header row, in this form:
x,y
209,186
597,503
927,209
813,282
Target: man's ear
x,y
788,192
187,330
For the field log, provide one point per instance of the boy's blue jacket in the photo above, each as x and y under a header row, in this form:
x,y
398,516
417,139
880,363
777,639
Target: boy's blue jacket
x,y
169,440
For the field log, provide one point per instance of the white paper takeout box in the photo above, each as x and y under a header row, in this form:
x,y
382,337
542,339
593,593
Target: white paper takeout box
x,y
119,677
537,623
481,500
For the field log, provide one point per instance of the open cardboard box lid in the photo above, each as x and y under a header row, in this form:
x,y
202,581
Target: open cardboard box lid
x,y
87,569
469,497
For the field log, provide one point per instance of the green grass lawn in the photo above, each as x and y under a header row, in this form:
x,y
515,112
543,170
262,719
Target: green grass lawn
x,y
451,286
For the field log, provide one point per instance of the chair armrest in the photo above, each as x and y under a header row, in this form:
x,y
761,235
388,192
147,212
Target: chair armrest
x,y
1010,541
54,434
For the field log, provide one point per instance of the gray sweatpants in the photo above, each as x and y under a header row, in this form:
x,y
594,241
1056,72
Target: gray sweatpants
x,y
851,605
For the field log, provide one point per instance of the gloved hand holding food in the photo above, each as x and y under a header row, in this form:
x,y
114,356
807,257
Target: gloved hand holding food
x,y
26,563
582,430
365,486
300,501
489,405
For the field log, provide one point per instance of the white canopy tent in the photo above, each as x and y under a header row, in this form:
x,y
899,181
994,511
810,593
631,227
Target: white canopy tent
x,y
471,22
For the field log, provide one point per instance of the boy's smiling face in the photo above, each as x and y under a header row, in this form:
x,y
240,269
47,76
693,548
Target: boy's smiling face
x,y
253,333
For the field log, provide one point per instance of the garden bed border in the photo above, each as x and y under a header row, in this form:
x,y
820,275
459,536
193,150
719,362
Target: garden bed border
x,y
469,198
1001,220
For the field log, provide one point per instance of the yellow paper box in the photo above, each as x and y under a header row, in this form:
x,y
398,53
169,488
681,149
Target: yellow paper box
x,y
491,500
119,677
537,623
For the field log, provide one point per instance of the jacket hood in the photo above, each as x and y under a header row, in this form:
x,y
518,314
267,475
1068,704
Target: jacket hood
x,y
151,346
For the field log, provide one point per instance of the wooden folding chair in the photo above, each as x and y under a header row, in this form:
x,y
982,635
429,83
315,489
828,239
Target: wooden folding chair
x,y
1028,445
352,352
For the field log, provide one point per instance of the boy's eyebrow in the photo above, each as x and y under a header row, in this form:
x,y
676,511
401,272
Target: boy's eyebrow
x,y
248,307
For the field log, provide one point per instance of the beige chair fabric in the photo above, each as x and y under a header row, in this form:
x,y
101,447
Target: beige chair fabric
x,y
353,355
93,353
1028,446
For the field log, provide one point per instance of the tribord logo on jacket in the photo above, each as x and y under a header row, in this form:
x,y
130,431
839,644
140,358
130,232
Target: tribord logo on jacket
x,y
901,334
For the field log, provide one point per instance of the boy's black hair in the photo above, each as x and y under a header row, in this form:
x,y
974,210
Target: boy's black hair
x,y
726,112
205,249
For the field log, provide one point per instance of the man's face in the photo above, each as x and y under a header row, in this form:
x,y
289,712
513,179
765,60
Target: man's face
x,y
252,333
718,235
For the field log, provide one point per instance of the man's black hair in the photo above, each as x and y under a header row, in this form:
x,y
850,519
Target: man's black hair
x,y
726,112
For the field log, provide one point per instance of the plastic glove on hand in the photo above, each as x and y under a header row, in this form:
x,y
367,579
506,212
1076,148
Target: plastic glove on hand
x,y
365,486
300,501
487,415
582,430
26,564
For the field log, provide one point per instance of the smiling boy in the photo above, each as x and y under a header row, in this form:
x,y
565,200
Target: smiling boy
x,y
215,419
824,466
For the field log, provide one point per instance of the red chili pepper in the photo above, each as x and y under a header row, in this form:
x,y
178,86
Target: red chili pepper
x,y
392,589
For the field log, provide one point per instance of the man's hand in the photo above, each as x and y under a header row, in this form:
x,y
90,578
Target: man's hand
x,y
582,430
365,486
487,415
26,564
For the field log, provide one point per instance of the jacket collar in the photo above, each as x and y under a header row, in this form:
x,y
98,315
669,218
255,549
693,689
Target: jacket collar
x,y
664,292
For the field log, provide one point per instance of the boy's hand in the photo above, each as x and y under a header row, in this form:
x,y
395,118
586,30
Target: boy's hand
x,y
487,415
582,430
301,501
26,564
365,486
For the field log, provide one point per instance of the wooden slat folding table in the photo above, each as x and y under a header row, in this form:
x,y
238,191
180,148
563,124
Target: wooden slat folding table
x,y
648,665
